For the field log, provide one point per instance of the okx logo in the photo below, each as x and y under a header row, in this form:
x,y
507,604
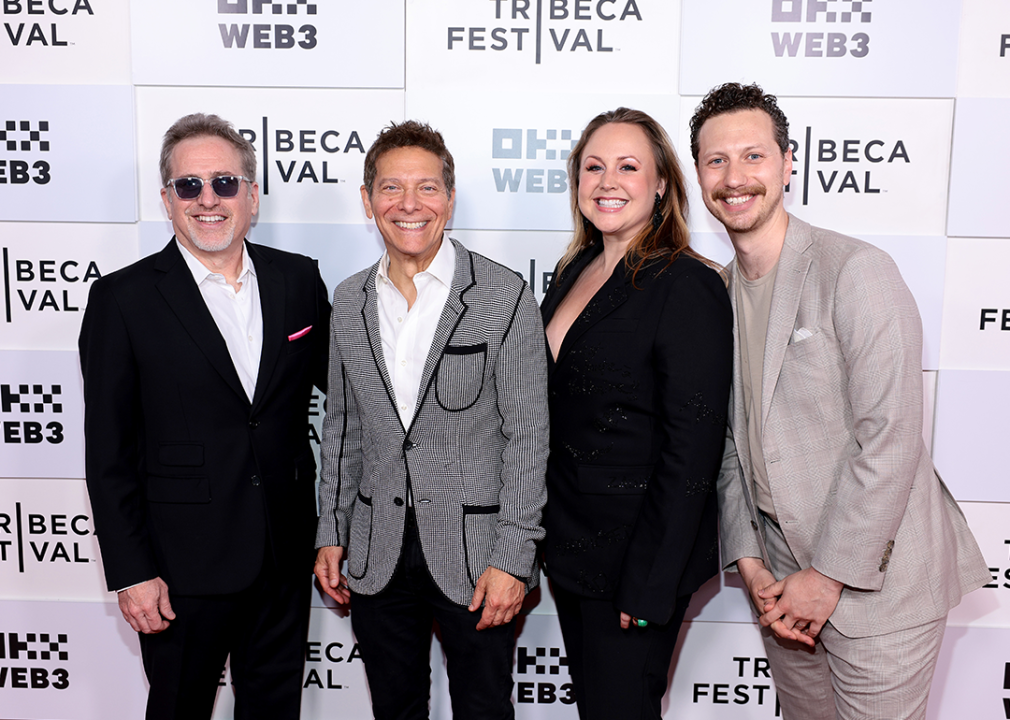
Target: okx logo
x,y
551,682
35,399
25,658
822,28
549,151
268,35
538,27
23,144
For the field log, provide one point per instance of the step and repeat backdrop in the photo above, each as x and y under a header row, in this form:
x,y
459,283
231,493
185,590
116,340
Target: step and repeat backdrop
x,y
898,111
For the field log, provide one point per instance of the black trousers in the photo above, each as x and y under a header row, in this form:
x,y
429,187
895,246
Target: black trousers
x,y
393,629
264,628
616,673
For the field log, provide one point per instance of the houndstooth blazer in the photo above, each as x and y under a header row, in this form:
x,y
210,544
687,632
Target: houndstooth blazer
x,y
474,456
854,488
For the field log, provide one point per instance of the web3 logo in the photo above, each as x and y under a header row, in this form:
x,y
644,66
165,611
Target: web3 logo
x,y
821,44
280,36
24,136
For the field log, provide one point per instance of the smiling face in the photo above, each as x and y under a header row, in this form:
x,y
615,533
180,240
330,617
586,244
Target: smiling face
x,y
742,171
409,204
618,181
209,223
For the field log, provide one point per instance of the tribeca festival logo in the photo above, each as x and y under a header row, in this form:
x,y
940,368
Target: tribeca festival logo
x,y
26,139
20,653
547,665
34,285
31,399
331,658
752,686
33,32
543,26
266,35
43,538
842,165
302,152
832,15
996,577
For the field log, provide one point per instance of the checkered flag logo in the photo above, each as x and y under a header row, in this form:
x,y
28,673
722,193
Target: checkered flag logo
x,y
261,7
19,135
544,661
851,11
32,398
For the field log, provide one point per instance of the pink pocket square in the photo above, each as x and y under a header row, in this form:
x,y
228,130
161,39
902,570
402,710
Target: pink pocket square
x,y
300,333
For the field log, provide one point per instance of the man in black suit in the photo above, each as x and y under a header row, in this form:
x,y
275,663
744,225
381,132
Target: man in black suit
x,y
198,365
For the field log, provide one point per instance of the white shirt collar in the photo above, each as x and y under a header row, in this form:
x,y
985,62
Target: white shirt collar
x,y
201,272
442,266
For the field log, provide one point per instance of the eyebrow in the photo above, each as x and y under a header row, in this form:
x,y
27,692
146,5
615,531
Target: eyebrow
x,y
620,159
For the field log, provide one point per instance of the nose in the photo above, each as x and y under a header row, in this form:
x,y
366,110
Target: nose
x,y
208,198
735,175
408,200
609,178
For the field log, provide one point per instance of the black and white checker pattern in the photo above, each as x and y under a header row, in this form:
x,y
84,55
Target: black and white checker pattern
x,y
12,136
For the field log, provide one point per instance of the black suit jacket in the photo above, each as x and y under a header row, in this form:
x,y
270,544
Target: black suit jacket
x,y
638,399
188,480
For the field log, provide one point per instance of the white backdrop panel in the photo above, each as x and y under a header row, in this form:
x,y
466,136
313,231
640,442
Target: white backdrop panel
x,y
511,151
41,414
586,46
310,144
78,661
969,436
533,255
972,676
48,548
66,41
860,166
983,68
988,606
821,47
48,270
289,43
47,171
976,305
978,122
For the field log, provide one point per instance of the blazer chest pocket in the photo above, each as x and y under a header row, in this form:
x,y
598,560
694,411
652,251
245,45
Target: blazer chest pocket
x,y
460,376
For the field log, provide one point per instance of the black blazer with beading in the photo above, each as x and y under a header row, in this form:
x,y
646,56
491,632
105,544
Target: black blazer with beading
x,y
638,398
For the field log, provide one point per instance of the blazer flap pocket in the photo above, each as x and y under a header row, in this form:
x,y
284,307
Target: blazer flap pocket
x,y
614,479
178,489
181,454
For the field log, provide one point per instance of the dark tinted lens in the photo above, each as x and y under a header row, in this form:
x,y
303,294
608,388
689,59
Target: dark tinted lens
x,y
226,186
188,188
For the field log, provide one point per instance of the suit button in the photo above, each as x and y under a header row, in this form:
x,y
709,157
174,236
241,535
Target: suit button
x,y
256,480
753,524
398,502
408,445
254,424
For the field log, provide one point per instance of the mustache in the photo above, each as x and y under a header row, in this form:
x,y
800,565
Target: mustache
x,y
757,189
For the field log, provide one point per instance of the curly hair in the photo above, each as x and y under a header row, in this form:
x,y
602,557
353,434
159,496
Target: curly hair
x,y
733,97
410,133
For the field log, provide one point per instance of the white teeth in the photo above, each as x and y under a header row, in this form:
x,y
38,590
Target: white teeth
x,y
738,200
411,225
611,203
210,218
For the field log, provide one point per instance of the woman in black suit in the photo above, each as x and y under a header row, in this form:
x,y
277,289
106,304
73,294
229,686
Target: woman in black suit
x,y
639,329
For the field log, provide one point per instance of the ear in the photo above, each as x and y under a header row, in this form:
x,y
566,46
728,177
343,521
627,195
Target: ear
x,y
254,188
167,199
662,187
366,201
787,169
452,205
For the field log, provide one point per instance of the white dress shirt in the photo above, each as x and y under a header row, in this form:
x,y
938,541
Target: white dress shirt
x,y
407,336
237,314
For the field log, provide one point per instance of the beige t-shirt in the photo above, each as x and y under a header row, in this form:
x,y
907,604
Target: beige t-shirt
x,y
753,303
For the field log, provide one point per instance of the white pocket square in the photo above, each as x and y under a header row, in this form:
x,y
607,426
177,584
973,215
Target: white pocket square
x,y
801,334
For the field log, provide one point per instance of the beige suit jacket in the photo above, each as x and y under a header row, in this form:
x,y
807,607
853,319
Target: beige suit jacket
x,y
854,488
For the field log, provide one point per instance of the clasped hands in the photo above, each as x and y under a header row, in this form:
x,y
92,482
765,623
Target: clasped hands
x,y
794,608
500,593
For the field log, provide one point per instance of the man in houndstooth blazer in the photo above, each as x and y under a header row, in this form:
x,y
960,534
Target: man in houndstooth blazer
x,y
434,444
851,547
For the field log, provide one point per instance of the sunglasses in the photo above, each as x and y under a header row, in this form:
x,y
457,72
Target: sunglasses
x,y
224,186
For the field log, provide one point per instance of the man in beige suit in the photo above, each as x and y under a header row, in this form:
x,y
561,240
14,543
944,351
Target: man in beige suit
x,y
851,547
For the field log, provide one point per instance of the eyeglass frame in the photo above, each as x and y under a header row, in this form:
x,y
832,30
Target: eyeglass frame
x,y
210,181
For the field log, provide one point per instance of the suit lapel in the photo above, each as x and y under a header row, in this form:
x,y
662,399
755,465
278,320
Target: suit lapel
x,y
271,286
738,419
452,314
370,319
608,298
183,296
794,263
